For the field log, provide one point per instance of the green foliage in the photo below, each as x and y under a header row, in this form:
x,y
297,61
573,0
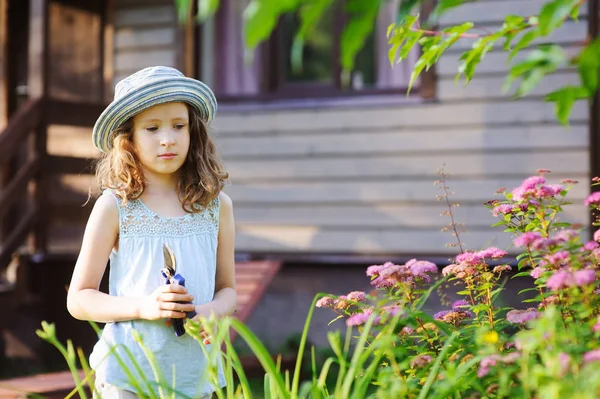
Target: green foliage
x,y
516,36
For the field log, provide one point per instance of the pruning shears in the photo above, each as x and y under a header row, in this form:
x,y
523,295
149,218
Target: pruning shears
x,y
170,276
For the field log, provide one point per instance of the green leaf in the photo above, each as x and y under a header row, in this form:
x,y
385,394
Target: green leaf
x,y
564,100
589,64
410,43
443,6
363,16
406,7
184,8
553,14
206,9
275,382
260,18
544,60
525,40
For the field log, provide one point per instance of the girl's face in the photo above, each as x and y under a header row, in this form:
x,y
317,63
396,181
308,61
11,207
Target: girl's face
x,y
161,137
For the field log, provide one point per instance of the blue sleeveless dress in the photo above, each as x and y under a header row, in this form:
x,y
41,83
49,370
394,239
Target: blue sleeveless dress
x,y
135,271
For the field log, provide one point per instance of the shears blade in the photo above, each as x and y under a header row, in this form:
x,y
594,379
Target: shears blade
x,y
169,260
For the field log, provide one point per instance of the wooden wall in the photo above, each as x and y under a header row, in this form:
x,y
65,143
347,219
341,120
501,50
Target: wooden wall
x,y
145,34
360,178
357,177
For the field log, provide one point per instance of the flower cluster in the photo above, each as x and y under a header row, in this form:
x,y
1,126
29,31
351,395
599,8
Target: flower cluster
x,y
562,267
469,263
391,275
535,187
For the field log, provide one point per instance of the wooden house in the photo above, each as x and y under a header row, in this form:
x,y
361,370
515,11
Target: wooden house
x,y
320,173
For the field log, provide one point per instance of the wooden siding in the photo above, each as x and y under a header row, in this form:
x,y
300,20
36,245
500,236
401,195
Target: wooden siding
x,y
145,34
360,178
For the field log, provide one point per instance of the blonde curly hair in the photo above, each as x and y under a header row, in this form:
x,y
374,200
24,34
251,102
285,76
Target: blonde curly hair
x,y
202,176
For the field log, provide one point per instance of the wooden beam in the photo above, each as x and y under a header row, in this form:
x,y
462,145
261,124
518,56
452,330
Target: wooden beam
x,y
71,113
267,273
37,81
60,165
18,184
3,63
428,81
108,48
26,118
17,236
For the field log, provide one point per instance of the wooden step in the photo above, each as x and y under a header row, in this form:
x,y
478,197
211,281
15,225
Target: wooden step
x,y
51,386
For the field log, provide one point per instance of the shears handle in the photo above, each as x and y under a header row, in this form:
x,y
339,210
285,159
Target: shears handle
x,y
178,323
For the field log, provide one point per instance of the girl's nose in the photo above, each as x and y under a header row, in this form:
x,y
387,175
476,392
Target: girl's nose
x,y
167,139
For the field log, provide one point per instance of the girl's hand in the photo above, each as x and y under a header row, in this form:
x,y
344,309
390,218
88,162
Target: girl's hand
x,y
163,303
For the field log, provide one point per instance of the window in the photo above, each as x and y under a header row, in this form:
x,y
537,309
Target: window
x,y
272,76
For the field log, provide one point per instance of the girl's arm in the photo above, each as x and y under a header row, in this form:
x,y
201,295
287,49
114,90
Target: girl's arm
x,y
86,302
225,299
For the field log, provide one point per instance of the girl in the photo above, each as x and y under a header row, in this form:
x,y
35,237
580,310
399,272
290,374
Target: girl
x,y
162,185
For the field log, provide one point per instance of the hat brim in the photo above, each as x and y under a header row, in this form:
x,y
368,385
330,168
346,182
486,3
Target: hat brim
x,y
187,90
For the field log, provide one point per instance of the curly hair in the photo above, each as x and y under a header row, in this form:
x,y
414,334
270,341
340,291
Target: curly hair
x,y
202,176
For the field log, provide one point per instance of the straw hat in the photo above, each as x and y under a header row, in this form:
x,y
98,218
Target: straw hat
x,y
147,88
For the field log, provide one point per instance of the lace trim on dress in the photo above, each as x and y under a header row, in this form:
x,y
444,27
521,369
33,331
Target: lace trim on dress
x,y
136,219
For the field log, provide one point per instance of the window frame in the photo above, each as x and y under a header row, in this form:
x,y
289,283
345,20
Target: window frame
x,y
272,87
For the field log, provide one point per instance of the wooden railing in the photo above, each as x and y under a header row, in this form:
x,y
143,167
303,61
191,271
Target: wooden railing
x,y
28,179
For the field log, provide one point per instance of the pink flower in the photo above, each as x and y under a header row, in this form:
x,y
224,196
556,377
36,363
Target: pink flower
x,y
391,310
526,239
407,330
533,181
450,269
373,271
569,181
325,302
381,282
359,318
491,253
420,361
419,268
502,268
591,356
549,191
460,304
564,360
441,314
590,245
527,188
388,274
357,296
502,209
566,235
486,363
584,277
542,171
471,258
558,258
593,198
596,327
549,300
521,316
537,272
560,279
544,243
597,235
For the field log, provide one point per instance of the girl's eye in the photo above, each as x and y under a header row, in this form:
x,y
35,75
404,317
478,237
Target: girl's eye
x,y
179,126
152,129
